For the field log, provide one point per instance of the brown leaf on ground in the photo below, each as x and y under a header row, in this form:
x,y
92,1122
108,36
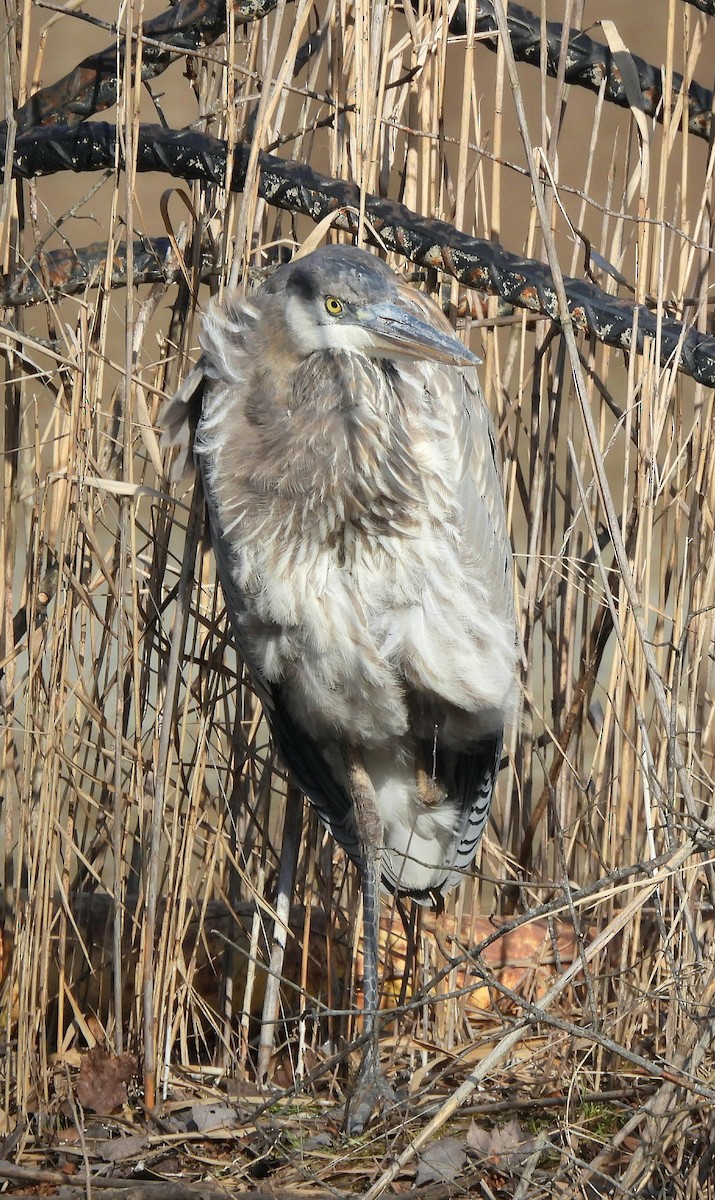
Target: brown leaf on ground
x,y
441,1162
103,1078
121,1148
213,1116
506,1145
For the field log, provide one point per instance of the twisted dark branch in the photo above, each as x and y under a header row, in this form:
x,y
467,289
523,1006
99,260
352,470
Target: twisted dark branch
x,y
66,272
589,63
92,86
193,25
293,186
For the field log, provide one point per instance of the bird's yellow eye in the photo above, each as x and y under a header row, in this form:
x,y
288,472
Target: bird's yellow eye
x,y
333,306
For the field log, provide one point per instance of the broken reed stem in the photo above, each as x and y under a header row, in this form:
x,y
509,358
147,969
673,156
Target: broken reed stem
x,y
153,862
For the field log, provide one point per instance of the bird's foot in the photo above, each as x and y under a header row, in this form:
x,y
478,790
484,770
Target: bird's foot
x,y
371,1094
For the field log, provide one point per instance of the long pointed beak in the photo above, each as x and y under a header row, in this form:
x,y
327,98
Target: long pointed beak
x,y
402,333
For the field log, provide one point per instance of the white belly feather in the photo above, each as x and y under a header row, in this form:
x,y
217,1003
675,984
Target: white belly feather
x,y
344,640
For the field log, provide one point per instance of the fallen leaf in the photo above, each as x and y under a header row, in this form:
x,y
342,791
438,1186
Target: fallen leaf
x,y
170,1165
121,1148
441,1162
479,1139
506,1145
103,1077
319,1141
213,1116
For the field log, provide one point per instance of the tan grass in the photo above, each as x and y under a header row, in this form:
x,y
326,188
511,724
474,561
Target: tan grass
x,y
136,767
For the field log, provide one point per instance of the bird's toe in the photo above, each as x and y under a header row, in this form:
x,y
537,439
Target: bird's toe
x,y
371,1096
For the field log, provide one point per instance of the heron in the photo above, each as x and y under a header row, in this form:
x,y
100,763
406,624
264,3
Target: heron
x,y
355,507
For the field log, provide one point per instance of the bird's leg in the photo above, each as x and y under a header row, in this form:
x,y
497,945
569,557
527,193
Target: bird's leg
x,y
371,1089
429,790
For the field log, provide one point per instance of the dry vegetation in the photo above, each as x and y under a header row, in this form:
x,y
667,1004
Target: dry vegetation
x,y
146,848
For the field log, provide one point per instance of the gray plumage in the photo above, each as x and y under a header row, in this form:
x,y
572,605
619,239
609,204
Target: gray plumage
x,y
356,514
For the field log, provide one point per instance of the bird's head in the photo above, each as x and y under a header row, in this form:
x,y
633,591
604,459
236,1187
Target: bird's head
x,y
344,299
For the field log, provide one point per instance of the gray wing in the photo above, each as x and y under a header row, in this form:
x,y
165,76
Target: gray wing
x,y
180,417
299,752
179,421
476,775
471,773
315,779
483,516
481,497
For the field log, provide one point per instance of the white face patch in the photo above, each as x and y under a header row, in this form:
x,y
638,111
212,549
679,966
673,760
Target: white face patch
x,y
312,336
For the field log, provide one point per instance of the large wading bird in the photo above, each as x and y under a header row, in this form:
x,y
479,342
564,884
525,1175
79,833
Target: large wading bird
x,y
357,519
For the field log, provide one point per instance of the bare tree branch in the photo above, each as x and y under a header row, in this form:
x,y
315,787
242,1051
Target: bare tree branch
x,y
66,272
92,86
588,62
195,24
475,262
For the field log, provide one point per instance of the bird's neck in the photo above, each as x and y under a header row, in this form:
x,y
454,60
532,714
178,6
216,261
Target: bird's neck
x,y
350,459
